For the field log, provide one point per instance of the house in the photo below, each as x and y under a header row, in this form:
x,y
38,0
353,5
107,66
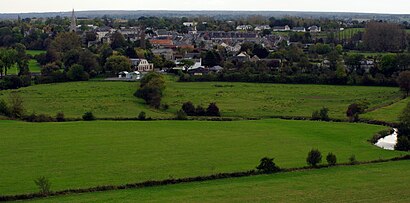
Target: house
x,y
262,27
142,65
135,75
315,29
299,29
198,71
190,24
168,54
242,57
159,43
244,27
255,59
216,69
281,28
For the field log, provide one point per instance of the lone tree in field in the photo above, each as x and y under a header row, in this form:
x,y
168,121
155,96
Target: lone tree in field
x,y
355,109
404,82
151,89
403,141
268,166
331,159
314,157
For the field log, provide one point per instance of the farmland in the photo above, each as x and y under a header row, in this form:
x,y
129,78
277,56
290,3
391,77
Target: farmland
x,y
115,99
84,154
364,183
389,113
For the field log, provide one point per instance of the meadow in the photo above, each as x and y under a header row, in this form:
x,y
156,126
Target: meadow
x,y
384,182
389,113
33,65
115,99
84,154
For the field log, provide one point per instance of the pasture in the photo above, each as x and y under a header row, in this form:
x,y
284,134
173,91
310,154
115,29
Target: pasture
x,y
389,113
84,154
384,182
115,99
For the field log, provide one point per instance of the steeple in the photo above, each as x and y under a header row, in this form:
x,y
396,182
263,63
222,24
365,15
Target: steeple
x,y
73,26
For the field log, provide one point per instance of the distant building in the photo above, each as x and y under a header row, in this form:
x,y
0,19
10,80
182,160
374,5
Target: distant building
x,y
190,24
73,25
281,28
142,65
299,29
262,27
244,27
135,75
315,29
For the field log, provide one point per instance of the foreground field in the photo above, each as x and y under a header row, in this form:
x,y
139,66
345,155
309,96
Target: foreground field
x,y
84,154
389,113
384,182
115,99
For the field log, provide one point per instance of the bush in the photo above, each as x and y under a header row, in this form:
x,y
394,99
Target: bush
x,y
60,117
267,166
353,160
16,106
213,110
331,159
200,111
324,114
314,157
151,89
316,116
4,108
403,144
355,109
38,118
142,116
189,108
43,185
77,73
181,115
88,116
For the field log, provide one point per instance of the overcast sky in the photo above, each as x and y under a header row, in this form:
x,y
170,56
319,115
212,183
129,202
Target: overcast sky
x,y
368,6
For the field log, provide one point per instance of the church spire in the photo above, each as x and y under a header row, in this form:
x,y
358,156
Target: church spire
x,y
73,26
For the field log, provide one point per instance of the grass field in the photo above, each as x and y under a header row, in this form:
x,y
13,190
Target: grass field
x,y
84,154
389,113
115,99
369,54
33,66
385,182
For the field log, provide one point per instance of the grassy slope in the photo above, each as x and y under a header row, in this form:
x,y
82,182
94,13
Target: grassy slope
x,y
384,182
389,113
85,154
115,99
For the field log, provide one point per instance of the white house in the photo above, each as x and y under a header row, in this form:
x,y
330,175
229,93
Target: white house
x,y
190,24
135,75
281,28
315,28
262,27
244,27
142,65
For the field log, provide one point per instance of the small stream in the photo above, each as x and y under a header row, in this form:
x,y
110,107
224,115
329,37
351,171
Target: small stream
x,y
388,142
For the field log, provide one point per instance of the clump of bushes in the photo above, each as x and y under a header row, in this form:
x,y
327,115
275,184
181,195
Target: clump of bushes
x,y
88,116
331,159
403,140
190,110
14,108
60,117
151,89
181,115
142,116
314,158
267,166
39,118
355,109
322,114
353,160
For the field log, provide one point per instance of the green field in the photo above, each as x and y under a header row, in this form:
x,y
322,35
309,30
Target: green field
x,y
369,54
33,66
385,182
389,113
35,52
84,154
115,99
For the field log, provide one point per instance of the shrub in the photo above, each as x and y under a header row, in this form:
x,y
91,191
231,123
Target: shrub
x,y
60,117
213,110
181,115
316,116
200,111
4,108
353,160
142,116
16,106
267,166
76,73
331,159
314,157
403,144
324,114
43,185
151,89
189,108
355,109
88,116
